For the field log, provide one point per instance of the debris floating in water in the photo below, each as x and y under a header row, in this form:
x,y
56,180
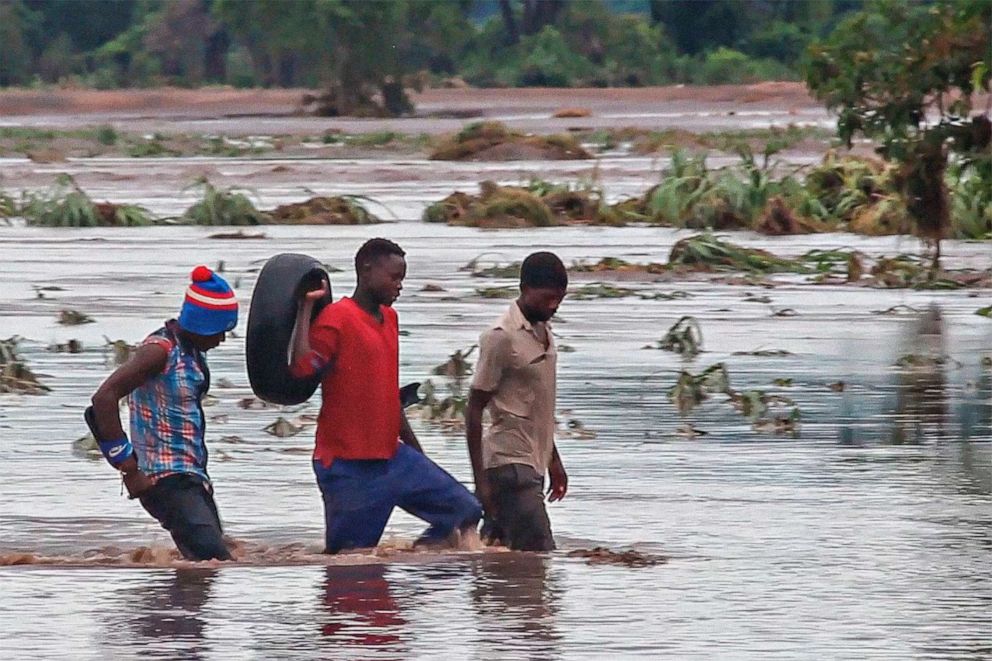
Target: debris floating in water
x,y
15,377
600,555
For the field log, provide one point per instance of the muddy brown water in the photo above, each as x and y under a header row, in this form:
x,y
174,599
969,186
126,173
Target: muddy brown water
x,y
839,543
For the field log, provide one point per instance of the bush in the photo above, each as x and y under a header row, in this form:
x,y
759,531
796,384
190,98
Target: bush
x,y
66,205
223,207
106,135
549,62
728,66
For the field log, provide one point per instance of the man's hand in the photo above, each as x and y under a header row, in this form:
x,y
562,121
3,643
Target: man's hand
x,y
315,295
137,483
559,481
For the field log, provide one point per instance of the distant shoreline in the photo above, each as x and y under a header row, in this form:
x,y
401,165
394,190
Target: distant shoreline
x,y
231,102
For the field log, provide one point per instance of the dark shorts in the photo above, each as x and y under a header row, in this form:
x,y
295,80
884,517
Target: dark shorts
x,y
360,494
185,507
522,520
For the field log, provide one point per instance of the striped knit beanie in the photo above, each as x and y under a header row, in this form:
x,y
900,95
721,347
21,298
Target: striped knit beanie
x,y
210,307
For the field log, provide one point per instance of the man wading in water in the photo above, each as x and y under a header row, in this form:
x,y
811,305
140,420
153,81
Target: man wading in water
x,y
515,378
164,464
362,469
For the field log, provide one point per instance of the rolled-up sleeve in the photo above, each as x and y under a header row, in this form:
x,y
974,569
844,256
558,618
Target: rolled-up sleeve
x,y
324,336
494,348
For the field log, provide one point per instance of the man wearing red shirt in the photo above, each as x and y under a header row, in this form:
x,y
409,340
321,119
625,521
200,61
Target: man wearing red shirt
x,y
362,469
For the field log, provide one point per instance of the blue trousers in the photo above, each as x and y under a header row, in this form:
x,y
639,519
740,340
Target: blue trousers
x,y
360,494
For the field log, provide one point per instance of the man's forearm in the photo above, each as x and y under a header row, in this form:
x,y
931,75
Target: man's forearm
x,y
473,437
301,332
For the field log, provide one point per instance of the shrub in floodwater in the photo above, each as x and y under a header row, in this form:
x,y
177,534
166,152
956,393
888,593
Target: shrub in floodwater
x,y
74,318
452,209
684,337
334,210
692,389
497,292
8,205
448,410
15,377
600,290
971,200
478,139
705,251
223,207
66,205
496,206
578,203
106,135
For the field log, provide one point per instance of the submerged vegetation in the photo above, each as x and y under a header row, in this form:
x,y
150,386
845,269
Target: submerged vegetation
x,y
337,210
65,204
223,207
15,377
493,141
539,204
707,253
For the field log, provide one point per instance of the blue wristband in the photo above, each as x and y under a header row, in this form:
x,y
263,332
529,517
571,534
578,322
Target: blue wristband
x,y
116,452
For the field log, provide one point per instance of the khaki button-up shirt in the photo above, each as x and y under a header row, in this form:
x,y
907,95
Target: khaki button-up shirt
x,y
516,367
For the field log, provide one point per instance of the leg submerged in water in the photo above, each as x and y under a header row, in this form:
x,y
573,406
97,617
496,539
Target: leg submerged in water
x,y
428,492
187,510
357,503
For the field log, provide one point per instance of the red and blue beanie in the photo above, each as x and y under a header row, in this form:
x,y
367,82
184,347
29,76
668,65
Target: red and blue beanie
x,y
210,307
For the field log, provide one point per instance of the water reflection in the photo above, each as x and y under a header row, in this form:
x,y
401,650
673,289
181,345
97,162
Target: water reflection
x,y
361,607
517,601
168,616
921,402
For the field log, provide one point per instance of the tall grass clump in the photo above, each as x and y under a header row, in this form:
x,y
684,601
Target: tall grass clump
x,y
222,207
65,204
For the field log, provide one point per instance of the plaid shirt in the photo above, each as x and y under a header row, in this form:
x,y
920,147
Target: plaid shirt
x,y
167,421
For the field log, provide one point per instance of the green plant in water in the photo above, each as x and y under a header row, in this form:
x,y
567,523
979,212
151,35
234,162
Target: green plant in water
x,y
106,135
222,207
684,337
66,205
691,390
8,205
707,251
15,377
449,410
497,292
600,290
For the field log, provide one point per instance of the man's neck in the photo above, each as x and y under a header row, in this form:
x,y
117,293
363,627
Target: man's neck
x,y
367,302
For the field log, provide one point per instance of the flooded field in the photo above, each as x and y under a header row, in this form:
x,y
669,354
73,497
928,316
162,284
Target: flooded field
x,y
865,532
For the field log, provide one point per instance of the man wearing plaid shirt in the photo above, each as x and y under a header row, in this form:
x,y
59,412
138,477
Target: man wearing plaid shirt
x,y
164,462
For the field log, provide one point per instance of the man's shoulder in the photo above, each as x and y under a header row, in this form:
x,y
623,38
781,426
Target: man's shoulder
x,y
494,338
337,311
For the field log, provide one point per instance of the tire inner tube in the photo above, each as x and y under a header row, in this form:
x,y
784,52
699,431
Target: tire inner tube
x,y
271,322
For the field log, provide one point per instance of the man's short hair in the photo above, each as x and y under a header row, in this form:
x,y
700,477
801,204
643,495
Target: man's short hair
x,y
373,249
543,270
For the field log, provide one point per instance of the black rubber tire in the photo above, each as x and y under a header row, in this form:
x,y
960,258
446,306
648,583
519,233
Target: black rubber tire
x,y
271,318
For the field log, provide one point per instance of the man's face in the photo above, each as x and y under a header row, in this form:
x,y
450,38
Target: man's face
x,y
540,303
384,278
207,342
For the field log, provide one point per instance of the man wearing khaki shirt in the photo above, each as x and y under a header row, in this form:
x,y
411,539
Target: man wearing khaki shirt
x,y
515,379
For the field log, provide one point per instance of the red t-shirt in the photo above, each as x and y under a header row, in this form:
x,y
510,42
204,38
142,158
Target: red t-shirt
x,y
360,407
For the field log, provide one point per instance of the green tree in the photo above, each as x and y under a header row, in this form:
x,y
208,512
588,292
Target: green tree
x,y
907,75
364,54
17,23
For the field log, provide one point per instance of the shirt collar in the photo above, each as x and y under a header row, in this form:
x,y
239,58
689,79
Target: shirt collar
x,y
514,319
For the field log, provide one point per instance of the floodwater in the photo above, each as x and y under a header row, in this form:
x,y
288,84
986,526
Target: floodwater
x,y
868,535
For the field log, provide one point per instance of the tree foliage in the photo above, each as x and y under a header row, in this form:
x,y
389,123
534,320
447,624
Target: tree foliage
x,y
907,74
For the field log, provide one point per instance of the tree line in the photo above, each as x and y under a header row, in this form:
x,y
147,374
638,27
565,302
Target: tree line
x,y
366,54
